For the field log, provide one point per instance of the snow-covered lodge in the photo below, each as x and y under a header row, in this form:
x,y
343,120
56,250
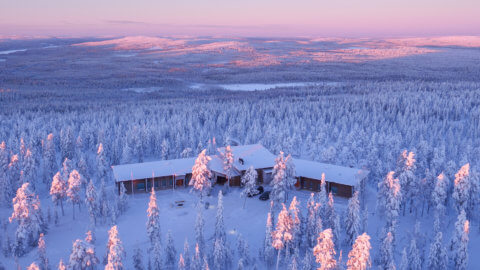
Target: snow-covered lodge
x,y
176,173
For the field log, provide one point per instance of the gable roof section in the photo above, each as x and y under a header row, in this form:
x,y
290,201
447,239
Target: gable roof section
x,y
253,155
333,173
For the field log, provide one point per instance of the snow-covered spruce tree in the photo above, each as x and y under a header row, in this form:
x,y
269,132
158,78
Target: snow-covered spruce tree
x,y
122,199
58,190
310,226
196,259
386,259
460,257
323,200
405,173
249,182
14,172
241,264
156,256
27,213
73,191
67,143
474,196
199,231
298,226
201,175
33,266
437,257
243,250
461,188
227,158
389,199
333,220
29,168
49,159
324,251
220,256
103,205
61,265
414,260
268,251
279,182
439,197
353,219
116,253
6,186
308,261
137,259
170,252
359,256
102,164
219,223
42,253
82,256
165,149
283,234
458,231
181,263
404,263
186,254
291,180
153,221
91,202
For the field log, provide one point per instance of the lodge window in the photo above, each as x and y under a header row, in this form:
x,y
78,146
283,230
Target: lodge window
x,y
141,186
334,190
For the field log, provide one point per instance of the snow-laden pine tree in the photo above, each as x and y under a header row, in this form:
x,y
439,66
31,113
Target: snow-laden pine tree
x,y
49,159
459,242
290,173
122,199
279,182
170,252
437,257
311,222
324,251
439,197
405,174
243,250
181,263
359,256
268,252
228,159
103,205
156,254
82,256
165,149
186,254
27,213
333,219
308,261
67,143
389,199
116,253
73,191
414,260
283,234
353,219
219,223
6,187
153,221
220,254
42,253
29,169
61,265
196,259
199,231
33,266
298,226
102,164
91,202
249,182
201,175
461,188
58,190
137,259
322,200
386,259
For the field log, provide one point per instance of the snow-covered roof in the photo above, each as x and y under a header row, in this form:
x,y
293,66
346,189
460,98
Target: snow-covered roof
x,y
333,173
253,155
160,168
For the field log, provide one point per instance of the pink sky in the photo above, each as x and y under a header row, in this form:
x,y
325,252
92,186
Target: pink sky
x,y
244,18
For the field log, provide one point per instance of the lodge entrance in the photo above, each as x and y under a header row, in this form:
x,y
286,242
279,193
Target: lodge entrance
x,y
221,180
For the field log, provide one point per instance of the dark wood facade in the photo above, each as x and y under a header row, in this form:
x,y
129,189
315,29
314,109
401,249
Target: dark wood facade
x,y
314,185
159,183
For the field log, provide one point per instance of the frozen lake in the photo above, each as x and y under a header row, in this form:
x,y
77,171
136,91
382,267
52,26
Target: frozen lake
x,y
12,51
267,86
